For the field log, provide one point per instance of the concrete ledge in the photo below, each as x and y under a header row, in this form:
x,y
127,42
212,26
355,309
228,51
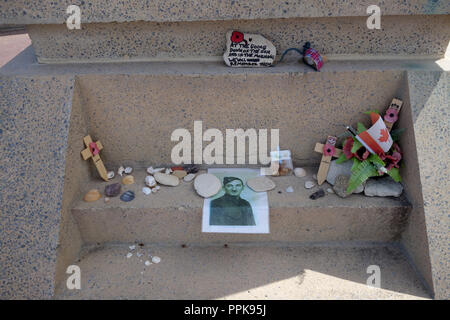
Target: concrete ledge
x,y
239,272
174,215
400,35
48,11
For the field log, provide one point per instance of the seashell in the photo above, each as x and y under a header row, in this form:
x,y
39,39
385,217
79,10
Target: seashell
x,y
127,196
299,172
167,179
106,199
129,255
168,171
289,189
110,174
189,177
146,190
156,259
147,263
92,195
150,181
151,170
121,170
112,190
128,170
128,180
309,184
179,173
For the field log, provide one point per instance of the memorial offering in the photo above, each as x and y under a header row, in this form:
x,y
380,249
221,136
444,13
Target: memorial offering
x,y
248,50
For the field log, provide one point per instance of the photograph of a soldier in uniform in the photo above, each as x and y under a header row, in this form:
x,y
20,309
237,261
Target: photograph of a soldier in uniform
x,y
236,208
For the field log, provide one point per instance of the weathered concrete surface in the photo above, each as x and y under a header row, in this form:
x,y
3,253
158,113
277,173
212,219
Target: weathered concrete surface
x,y
427,235
293,216
240,272
34,125
135,115
399,36
47,11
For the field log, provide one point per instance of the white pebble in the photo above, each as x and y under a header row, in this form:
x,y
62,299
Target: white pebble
x,y
110,174
189,177
289,189
129,255
147,263
146,190
128,170
299,172
132,247
309,184
156,259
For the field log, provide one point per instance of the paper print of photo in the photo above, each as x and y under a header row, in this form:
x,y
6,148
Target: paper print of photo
x,y
236,208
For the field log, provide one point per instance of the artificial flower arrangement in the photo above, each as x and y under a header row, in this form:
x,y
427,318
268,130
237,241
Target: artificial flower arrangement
x,y
374,151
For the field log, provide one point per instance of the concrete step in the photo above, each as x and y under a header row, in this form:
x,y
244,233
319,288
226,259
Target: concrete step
x,y
242,272
174,215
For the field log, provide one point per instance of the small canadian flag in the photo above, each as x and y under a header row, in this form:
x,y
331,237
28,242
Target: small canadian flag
x,y
377,138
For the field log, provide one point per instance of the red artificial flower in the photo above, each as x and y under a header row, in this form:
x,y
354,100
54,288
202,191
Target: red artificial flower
x,y
237,37
362,154
391,115
393,160
328,150
348,148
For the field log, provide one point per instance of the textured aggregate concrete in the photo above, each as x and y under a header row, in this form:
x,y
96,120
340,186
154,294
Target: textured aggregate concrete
x,y
430,99
135,115
293,216
34,125
399,36
47,11
239,272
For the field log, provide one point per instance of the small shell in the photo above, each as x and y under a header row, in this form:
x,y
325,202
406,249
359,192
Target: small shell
x,y
151,170
139,254
156,259
147,263
128,180
106,199
299,172
128,170
146,190
121,170
127,196
289,189
309,184
129,255
168,171
132,247
189,177
92,195
150,181
110,174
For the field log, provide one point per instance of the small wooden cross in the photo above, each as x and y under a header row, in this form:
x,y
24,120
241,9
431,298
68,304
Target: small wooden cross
x,y
326,159
396,104
93,151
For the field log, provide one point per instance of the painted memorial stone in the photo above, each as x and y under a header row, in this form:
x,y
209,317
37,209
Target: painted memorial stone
x,y
248,50
207,185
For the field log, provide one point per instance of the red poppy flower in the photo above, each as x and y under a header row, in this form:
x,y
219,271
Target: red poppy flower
x,y
328,150
237,37
348,148
391,115
393,160
362,154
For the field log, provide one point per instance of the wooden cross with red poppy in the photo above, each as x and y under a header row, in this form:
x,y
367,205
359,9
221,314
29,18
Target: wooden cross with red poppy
x,y
391,115
93,151
328,151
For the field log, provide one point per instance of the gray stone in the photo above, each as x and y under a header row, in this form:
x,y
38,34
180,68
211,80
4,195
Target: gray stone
x,y
112,190
261,184
248,50
383,187
340,185
166,179
338,169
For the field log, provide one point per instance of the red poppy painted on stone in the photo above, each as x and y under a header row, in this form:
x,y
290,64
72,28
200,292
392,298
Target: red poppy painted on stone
x,y
237,37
